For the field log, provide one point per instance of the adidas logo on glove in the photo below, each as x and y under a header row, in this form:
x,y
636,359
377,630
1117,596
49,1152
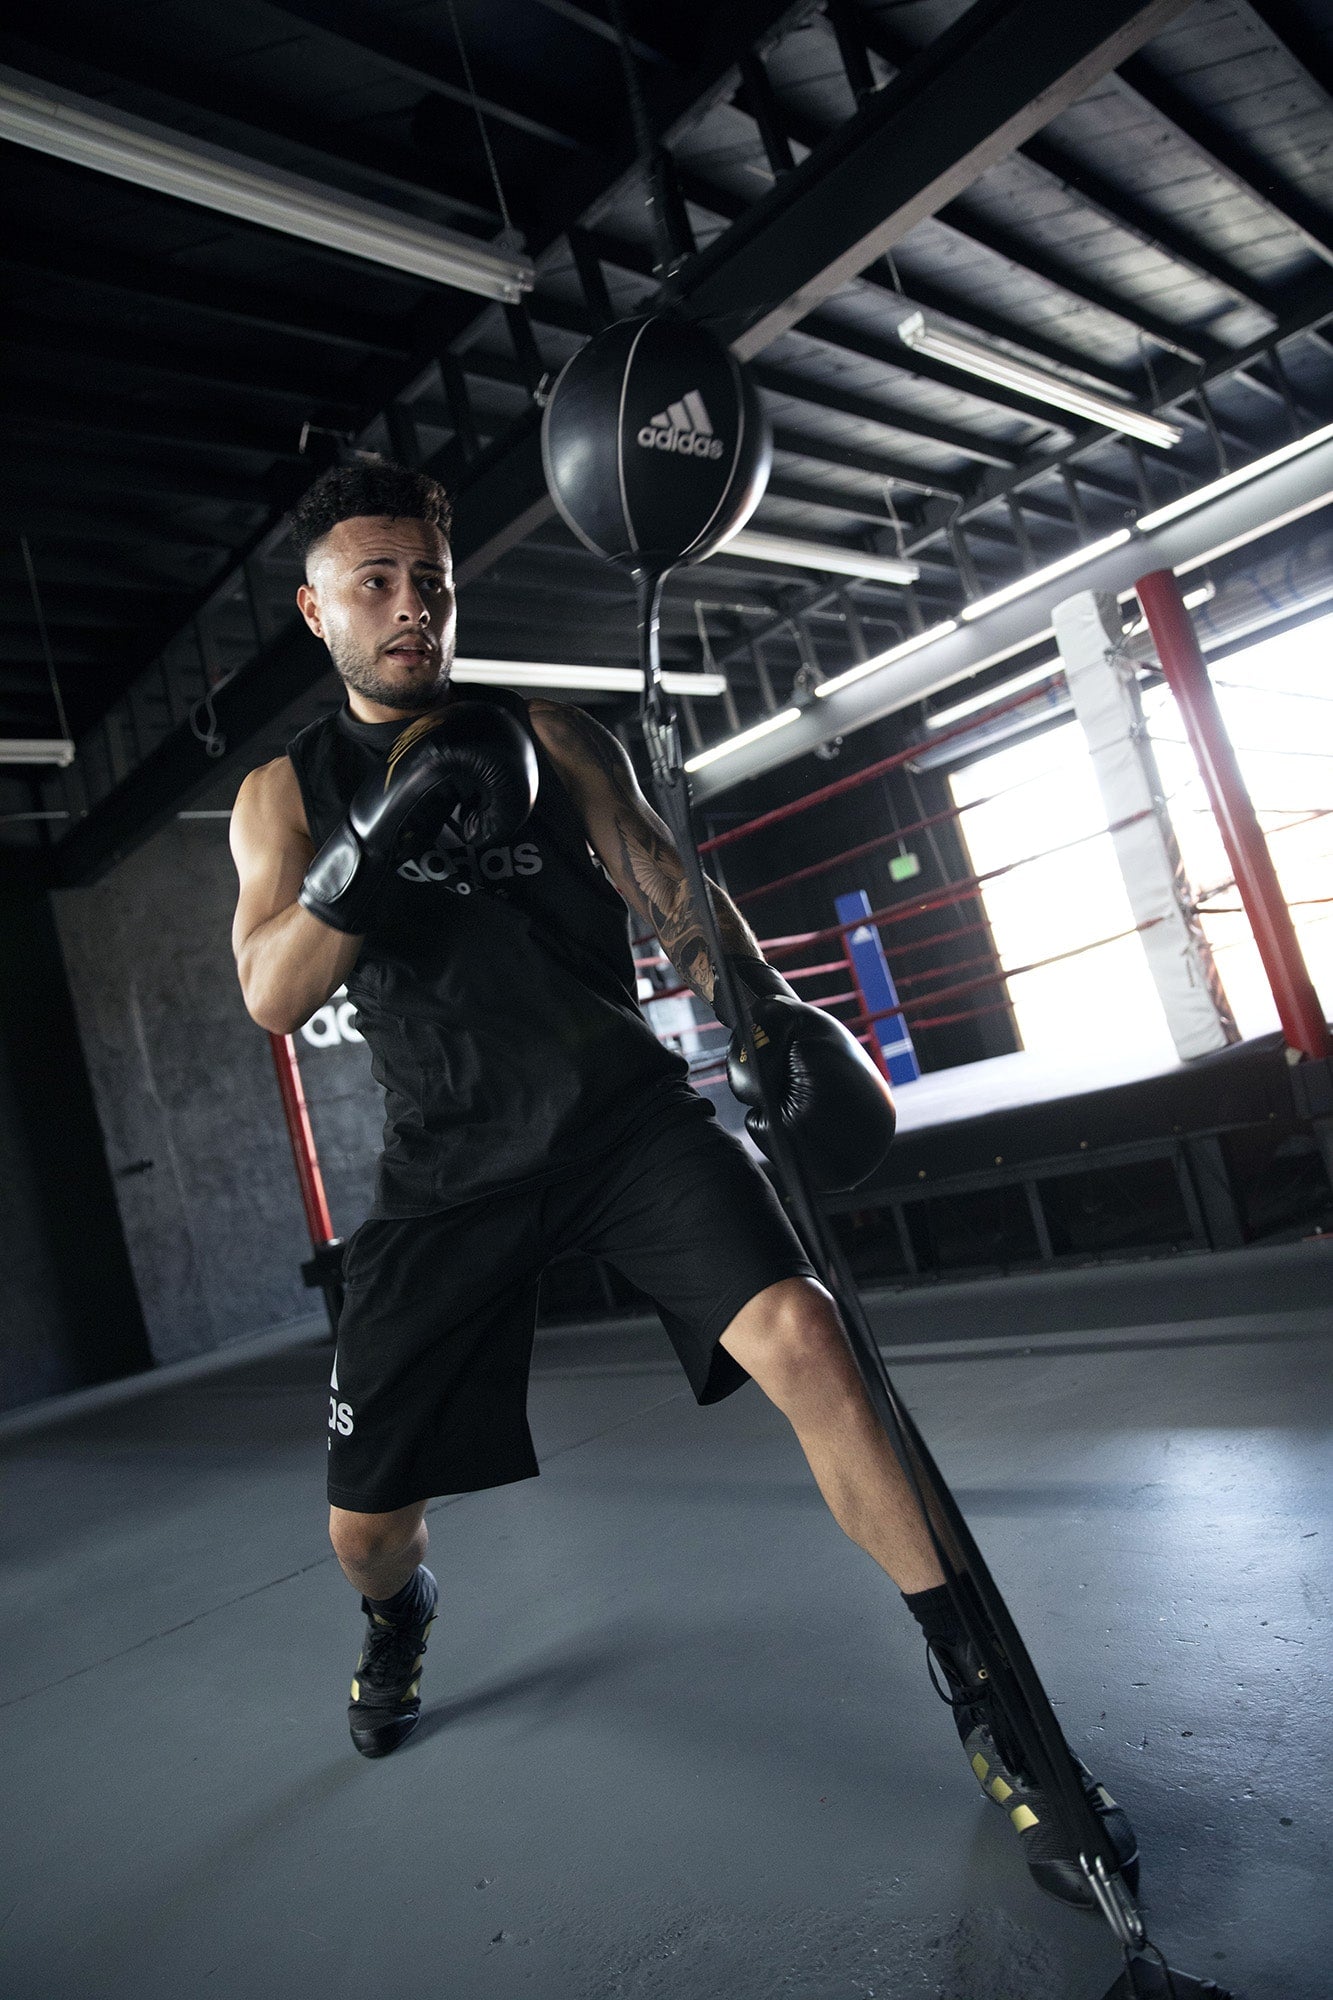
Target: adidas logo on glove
x,y
682,427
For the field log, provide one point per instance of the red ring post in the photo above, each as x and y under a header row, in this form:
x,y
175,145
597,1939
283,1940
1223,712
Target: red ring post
x,y
1298,1005
297,1114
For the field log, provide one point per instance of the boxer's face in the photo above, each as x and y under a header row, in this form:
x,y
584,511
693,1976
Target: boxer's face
x,y
380,594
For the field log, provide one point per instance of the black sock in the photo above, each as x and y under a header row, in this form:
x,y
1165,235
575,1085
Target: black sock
x,y
399,1608
934,1612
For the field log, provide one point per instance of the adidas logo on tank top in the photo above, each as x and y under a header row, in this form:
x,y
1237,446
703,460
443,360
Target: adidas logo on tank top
x,y
683,427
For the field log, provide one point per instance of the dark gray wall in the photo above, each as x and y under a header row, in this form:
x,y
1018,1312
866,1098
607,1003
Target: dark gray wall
x,y
69,1315
185,1087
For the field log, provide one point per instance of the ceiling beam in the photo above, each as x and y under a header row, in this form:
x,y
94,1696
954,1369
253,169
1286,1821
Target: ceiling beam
x,y
843,338
1303,42
414,56
807,389
1009,64
805,493
132,529
55,345
854,458
891,352
918,290
36,259
1025,255
1001,72
1229,155
1155,232
173,476
593,24
254,124
1095,191
146,424
992,487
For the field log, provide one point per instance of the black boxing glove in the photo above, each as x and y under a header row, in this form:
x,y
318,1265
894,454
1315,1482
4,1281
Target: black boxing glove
x,y
465,776
826,1093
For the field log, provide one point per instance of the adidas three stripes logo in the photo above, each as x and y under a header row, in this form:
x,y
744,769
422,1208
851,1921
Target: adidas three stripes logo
x,y
682,427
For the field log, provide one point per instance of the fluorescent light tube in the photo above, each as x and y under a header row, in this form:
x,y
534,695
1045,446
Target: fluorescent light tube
x,y
764,728
886,659
1229,481
608,680
976,359
756,547
1074,560
36,750
1045,672
70,127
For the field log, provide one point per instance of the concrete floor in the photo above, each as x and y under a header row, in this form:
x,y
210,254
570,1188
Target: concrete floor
x,y
679,1740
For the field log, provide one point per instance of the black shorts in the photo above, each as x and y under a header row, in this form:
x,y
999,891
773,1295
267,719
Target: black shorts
x,y
430,1380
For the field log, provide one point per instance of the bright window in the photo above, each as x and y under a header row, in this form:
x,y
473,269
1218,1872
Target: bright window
x,y
1041,798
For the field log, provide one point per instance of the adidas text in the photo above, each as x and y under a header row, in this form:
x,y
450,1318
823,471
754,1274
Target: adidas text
x,y
683,427
494,864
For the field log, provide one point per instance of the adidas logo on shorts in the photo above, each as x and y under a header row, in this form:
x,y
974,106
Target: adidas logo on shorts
x,y
683,427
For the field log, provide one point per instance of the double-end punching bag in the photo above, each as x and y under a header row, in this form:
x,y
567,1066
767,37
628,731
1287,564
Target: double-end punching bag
x,y
656,450
655,445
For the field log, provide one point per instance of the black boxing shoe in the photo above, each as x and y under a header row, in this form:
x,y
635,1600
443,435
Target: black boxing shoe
x,y
386,1688
997,1765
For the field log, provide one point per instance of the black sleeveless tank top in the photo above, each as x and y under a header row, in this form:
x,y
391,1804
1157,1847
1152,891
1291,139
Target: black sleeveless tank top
x,y
496,991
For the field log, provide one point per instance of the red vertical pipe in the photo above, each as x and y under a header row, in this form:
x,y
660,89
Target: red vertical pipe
x,y
295,1111
1298,1004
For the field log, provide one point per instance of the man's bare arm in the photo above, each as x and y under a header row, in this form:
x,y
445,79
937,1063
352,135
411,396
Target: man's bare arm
x,y
634,844
288,962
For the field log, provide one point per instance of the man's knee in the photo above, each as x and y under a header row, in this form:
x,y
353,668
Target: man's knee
x,y
790,1340
367,1539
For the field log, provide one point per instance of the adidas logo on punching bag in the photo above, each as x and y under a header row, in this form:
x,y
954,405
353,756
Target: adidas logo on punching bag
x,y
683,427
654,444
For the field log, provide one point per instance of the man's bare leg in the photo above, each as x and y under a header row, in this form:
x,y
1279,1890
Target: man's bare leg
x,y
789,1340
382,1557
379,1553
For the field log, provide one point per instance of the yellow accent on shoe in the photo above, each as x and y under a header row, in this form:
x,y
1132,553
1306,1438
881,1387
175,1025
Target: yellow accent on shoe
x,y
999,1790
356,1690
413,1691
981,1767
1023,1817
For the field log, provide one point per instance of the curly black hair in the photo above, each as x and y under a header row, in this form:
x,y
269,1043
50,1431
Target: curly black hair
x,y
345,492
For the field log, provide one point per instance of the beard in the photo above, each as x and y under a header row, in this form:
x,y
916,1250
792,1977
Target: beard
x,y
363,672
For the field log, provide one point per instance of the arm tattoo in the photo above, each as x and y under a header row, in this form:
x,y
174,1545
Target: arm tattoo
x,y
647,866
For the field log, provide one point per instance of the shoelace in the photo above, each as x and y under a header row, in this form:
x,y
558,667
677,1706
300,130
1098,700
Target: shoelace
x,y
391,1654
955,1701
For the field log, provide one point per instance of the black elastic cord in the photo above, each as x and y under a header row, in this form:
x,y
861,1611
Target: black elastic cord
x,y
981,1608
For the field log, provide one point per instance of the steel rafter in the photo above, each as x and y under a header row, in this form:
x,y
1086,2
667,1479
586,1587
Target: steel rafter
x,y
1101,195
36,260
144,790
33,340
1229,155
367,32
1301,40
993,488
1153,231
252,124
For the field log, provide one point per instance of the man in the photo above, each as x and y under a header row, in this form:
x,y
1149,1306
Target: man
x,y
464,866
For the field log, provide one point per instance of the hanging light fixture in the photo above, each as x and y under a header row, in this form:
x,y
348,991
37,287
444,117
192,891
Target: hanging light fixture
x,y
975,358
60,122
753,546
